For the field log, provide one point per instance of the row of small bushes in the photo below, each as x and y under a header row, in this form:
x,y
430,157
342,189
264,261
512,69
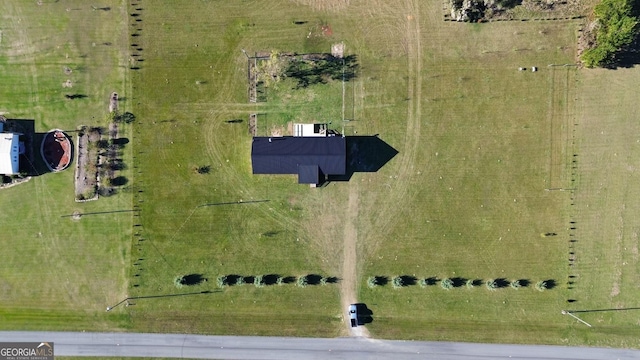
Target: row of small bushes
x,y
450,283
274,279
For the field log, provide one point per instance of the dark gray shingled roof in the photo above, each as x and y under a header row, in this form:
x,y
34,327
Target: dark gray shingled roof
x,y
294,155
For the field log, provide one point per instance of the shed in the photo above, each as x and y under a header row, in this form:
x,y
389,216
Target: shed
x,y
9,153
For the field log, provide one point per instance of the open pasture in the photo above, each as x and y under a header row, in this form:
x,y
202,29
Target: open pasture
x,y
499,174
58,273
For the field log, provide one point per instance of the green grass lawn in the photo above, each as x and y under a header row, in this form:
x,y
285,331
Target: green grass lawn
x,y
484,168
58,273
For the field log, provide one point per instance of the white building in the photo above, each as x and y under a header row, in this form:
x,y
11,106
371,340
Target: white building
x,y
9,153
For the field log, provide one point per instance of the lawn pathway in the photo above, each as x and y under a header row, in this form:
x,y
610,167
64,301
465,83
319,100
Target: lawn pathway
x,y
348,282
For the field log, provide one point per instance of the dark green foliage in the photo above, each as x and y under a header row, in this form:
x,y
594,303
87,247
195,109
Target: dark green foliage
x,y
204,169
617,28
320,71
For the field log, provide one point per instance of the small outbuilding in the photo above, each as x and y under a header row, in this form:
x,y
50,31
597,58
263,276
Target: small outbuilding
x,y
311,158
9,153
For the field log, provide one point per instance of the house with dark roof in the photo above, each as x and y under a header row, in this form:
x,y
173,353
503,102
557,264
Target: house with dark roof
x,y
312,158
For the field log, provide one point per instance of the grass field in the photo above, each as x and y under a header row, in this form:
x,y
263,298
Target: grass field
x,y
489,159
58,273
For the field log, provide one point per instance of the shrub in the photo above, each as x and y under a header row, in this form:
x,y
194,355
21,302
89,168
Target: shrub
x,y
240,281
515,284
446,284
258,281
397,282
204,169
470,284
179,281
371,282
280,280
541,285
323,281
302,281
222,281
423,283
492,285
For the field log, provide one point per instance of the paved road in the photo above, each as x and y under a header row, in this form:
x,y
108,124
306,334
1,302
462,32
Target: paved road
x,y
251,347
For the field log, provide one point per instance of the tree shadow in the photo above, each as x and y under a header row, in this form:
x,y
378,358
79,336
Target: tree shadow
x,y
501,283
120,141
126,117
249,279
270,279
458,281
119,181
365,154
193,279
408,280
271,233
381,280
524,282
288,279
332,280
204,169
431,280
550,284
314,279
311,69
75,96
477,282
365,315
232,279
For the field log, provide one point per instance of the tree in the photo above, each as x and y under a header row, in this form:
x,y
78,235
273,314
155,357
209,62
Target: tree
x,y
371,282
515,284
541,285
179,281
616,28
397,282
222,281
258,281
302,281
446,284
470,284
492,284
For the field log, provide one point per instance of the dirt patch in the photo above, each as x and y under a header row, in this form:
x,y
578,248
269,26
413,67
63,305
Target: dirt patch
x,y
587,38
326,30
348,284
277,131
253,124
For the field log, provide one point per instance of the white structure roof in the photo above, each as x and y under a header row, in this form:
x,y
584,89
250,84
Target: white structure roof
x,y
310,130
9,153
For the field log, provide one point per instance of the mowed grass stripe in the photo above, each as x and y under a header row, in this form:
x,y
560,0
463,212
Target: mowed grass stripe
x,y
60,274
